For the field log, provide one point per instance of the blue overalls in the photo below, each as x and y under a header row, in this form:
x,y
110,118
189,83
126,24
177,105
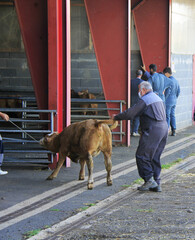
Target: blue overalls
x,y
159,84
154,129
170,102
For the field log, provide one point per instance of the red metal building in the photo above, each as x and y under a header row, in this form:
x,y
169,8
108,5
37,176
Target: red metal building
x,y
46,31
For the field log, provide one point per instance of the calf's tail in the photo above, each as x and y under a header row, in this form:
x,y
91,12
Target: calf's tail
x,y
111,122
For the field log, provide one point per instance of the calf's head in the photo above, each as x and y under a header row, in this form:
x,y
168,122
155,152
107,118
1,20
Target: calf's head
x,y
84,94
51,142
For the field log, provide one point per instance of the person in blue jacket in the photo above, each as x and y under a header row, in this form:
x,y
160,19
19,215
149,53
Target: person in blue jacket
x,y
152,142
134,99
171,100
158,81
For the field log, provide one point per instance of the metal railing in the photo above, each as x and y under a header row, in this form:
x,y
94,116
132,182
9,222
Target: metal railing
x,y
76,107
16,141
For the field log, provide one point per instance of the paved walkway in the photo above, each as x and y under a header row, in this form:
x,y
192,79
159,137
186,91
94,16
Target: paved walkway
x,y
25,185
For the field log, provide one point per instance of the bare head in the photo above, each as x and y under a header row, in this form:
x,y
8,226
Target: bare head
x,y
144,88
153,68
139,73
49,143
167,72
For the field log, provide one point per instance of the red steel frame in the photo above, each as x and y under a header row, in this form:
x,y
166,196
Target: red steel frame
x,y
68,71
60,87
108,21
32,16
153,32
129,69
110,27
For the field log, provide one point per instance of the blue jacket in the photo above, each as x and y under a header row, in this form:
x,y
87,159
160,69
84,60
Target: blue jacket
x,y
134,90
159,84
150,108
171,99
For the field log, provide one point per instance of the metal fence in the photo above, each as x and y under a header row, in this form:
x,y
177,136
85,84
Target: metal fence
x,y
19,147
78,111
17,144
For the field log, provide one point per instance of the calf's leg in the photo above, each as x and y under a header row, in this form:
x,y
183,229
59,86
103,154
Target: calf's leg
x,y
82,170
90,171
59,165
108,165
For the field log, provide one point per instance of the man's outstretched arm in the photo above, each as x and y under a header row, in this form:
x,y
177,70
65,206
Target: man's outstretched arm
x,y
132,112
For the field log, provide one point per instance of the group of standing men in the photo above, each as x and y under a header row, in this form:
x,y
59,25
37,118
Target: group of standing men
x,y
165,86
153,104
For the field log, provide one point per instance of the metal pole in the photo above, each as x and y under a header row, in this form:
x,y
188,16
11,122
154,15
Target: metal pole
x,y
129,70
52,122
121,123
68,70
59,65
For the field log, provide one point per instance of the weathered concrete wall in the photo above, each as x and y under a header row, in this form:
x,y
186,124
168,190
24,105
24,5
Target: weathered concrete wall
x,y
85,73
182,70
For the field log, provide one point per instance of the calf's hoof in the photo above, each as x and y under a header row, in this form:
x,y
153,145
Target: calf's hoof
x,y
50,178
90,186
109,183
81,177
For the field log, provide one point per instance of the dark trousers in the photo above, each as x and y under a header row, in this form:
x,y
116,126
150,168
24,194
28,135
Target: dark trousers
x,y
150,148
135,125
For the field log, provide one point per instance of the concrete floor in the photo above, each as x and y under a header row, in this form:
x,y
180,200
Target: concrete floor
x,y
26,181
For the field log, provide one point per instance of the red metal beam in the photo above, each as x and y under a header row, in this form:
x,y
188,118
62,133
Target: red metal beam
x,y
32,16
68,66
68,71
59,61
52,57
152,27
108,22
52,63
129,69
60,85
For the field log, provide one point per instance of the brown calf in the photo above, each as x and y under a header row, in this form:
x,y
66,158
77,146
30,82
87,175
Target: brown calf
x,y
87,95
82,141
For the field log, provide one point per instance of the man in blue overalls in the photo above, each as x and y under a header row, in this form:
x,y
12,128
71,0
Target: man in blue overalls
x,y
154,129
134,99
171,100
6,118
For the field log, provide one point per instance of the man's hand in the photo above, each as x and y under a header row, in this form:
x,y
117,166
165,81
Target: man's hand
x,y
4,116
143,68
113,115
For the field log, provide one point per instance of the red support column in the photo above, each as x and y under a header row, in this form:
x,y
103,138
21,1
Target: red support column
x,y
32,16
60,86
152,27
59,61
68,71
108,21
52,57
52,64
129,69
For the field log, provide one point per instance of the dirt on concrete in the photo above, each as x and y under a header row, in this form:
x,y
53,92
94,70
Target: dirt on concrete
x,y
169,215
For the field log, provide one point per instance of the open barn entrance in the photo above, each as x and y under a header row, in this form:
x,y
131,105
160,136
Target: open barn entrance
x,y
17,96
